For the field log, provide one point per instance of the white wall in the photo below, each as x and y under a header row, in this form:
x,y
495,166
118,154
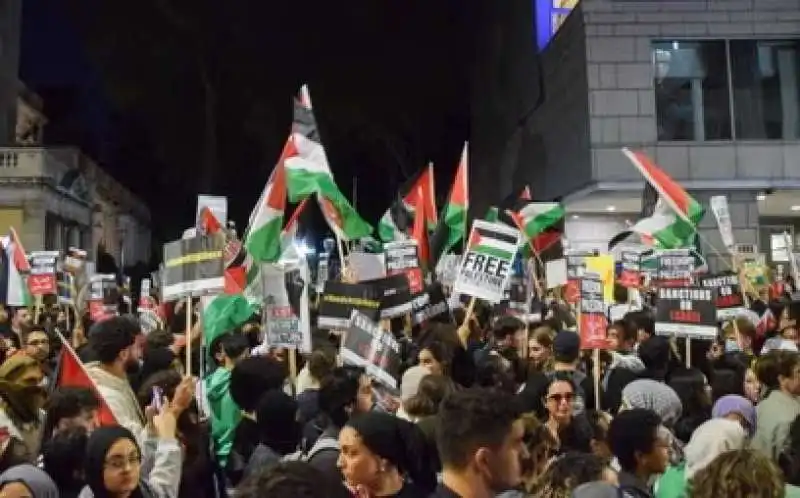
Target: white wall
x,y
593,231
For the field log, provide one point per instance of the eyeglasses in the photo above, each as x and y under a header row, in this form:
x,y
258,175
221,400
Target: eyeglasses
x,y
121,462
559,397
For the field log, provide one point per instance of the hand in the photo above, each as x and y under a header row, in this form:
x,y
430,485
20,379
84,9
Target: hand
x,y
184,394
78,337
165,422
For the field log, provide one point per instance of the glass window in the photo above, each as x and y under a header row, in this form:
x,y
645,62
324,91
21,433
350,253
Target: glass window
x,y
691,84
766,93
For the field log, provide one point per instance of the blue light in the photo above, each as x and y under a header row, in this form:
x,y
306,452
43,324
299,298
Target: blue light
x,y
545,13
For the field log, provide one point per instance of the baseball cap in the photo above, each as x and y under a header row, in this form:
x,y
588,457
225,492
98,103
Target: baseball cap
x,y
567,344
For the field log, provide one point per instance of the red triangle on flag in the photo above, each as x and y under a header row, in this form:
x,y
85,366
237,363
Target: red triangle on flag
x,y
673,193
474,239
208,222
526,194
235,280
71,373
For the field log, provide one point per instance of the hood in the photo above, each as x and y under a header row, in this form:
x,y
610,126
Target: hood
x,y
217,384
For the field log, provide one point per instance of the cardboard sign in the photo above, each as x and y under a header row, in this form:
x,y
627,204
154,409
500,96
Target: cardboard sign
x,y
403,257
675,267
576,267
487,265
593,319
368,346
396,297
42,280
686,312
340,299
285,316
631,274
322,271
193,267
729,299
431,303
103,296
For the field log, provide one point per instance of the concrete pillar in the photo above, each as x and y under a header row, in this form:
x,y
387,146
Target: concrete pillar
x,y
744,214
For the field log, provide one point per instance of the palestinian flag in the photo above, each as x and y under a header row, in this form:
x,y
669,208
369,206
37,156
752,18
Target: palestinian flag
x,y
70,372
400,215
499,244
13,274
262,239
673,223
525,195
208,223
307,173
452,225
536,217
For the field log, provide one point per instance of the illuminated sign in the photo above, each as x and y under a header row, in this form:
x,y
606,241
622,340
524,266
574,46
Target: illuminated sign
x,y
550,14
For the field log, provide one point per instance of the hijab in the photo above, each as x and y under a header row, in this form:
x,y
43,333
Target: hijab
x,y
35,479
97,448
710,440
654,396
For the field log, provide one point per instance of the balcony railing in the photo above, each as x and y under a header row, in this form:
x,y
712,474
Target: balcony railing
x,y
36,162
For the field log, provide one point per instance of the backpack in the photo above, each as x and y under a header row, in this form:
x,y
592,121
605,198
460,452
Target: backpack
x,y
323,443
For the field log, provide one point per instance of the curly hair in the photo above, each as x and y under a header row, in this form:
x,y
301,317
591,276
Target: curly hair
x,y
568,472
738,474
432,390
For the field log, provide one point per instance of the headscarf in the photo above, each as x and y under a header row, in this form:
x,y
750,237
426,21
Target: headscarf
x,y
399,442
597,489
35,479
733,403
97,448
654,396
711,439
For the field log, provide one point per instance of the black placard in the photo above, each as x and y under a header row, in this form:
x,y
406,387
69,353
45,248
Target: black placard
x,y
376,350
675,267
729,299
431,303
340,299
395,292
686,311
593,320
193,267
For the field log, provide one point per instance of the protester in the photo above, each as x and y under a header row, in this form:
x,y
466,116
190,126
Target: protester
x,y
641,448
27,480
480,438
739,474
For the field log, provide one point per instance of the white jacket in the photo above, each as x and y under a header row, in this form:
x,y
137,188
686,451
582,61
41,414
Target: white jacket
x,y
120,398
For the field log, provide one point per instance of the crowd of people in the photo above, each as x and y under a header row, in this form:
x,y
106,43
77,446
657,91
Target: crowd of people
x,y
487,406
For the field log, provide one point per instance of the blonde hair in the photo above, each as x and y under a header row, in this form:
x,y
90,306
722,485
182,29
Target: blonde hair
x,y
738,474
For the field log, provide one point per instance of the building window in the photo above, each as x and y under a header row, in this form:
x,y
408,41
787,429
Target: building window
x,y
691,85
766,93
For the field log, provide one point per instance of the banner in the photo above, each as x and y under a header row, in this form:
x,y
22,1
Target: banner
x,y
593,320
42,280
686,312
403,257
675,267
431,303
285,316
103,296
340,299
368,346
631,274
486,266
729,299
193,267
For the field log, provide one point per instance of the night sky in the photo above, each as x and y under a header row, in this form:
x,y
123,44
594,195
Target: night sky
x,y
393,88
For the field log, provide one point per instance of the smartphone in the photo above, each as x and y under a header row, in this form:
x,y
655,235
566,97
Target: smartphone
x,y
158,397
